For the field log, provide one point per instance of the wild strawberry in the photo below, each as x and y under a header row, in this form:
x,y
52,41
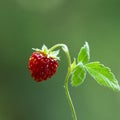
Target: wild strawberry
x,y
43,64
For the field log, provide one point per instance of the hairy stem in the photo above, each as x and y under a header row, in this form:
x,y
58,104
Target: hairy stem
x,y
65,49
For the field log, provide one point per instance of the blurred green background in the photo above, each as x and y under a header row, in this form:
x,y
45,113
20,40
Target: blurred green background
x,y
31,23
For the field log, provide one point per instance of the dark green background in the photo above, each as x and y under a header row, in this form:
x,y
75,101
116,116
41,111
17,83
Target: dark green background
x,y
31,23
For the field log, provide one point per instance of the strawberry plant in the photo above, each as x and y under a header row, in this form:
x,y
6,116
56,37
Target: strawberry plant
x,y
43,64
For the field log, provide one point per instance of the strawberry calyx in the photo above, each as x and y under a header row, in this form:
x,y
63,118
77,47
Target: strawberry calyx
x,y
48,52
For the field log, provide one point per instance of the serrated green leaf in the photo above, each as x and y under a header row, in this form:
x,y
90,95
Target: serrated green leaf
x,y
78,75
84,54
102,75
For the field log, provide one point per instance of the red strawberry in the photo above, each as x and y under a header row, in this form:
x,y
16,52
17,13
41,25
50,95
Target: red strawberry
x,y
42,65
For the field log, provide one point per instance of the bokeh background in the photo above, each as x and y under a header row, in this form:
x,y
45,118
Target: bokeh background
x,y
25,24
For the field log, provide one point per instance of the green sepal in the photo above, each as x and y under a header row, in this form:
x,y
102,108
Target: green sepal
x,y
36,49
45,50
54,54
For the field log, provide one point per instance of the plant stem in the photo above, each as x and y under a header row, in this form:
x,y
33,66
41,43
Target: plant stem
x,y
65,49
68,95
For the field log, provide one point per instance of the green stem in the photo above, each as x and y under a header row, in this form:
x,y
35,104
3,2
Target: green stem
x,y
68,95
65,48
